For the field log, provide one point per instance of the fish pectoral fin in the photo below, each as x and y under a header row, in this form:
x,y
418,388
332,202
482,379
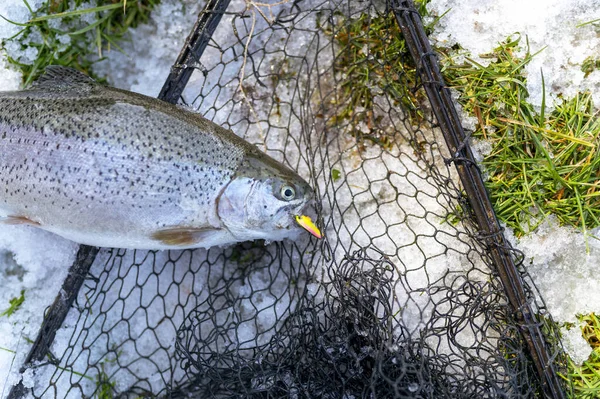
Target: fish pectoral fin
x,y
15,220
183,236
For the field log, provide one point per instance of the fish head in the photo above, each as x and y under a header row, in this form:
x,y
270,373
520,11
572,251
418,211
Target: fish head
x,y
265,200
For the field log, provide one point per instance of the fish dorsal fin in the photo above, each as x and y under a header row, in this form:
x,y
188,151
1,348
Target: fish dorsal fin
x,y
61,78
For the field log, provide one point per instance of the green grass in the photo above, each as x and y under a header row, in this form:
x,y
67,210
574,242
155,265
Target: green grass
x,y
61,37
541,162
586,378
105,388
15,304
589,65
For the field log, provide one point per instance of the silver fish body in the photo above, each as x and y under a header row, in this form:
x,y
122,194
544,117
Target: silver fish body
x,y
107,167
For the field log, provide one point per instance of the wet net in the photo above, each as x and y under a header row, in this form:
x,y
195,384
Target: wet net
x,y
412,294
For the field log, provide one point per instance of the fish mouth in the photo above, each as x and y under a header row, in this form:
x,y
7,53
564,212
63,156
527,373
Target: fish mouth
x,y
307,224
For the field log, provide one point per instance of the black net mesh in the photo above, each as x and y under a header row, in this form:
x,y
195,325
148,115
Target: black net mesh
x,y
399,300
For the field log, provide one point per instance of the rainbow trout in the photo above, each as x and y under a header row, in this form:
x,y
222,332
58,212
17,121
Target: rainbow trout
x,y
111,168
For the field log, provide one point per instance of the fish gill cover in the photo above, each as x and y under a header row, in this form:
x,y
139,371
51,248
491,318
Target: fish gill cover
x,y
403,296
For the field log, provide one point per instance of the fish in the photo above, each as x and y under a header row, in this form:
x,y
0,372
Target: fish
x,y
108,167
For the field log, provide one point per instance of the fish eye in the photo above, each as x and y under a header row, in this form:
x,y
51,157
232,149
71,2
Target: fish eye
x,y
288,193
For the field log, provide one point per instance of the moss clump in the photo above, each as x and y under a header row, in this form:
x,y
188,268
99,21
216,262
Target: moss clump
x,y
372,60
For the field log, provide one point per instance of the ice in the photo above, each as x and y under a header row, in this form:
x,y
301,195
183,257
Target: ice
x,y
566,274
481,148
144,64
575,345
550,26
9,78
557,258
29,55
87,18
28,378
35,262
16,11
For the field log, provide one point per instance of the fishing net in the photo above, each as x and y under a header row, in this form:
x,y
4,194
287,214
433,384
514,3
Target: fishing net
x,y
404,297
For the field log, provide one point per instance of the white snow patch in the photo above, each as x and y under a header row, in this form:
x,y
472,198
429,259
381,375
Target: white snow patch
x,y
145,63
28,378
35,262
565,274
549,25
575,345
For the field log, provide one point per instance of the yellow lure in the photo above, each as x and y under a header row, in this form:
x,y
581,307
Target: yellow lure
x,y
307,223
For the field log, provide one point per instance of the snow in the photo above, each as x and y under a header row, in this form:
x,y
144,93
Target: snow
x,y
550,26
36,262
144,64
139,287
565,265
575,345
557,258
15,11
28,378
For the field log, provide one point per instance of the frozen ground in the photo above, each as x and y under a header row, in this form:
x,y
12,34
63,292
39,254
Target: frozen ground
x,y
415,218
566,275
556,257
145,64
549,25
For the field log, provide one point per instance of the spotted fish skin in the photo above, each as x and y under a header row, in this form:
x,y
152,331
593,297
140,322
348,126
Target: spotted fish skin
x,y
108,167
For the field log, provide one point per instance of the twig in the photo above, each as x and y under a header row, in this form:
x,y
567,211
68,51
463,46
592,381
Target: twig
x,y
255,7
